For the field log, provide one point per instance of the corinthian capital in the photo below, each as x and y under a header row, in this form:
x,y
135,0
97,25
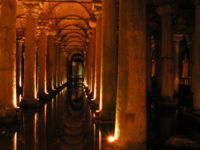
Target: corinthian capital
x,y
43,26
97,7
33,9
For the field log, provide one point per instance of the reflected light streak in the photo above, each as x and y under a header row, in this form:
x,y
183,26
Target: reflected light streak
x,y
15,141
45,115
100,146
35,127
20,98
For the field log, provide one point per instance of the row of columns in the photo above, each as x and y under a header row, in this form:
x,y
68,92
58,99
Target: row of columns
x,y
51,66
119,80
120,75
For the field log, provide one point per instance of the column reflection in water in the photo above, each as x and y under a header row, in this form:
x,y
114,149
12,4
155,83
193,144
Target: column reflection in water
x,y
37,129
42,128
101,132
7,139
29,130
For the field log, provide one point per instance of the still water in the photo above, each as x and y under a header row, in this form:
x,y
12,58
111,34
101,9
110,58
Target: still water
x,y
66,122
60,124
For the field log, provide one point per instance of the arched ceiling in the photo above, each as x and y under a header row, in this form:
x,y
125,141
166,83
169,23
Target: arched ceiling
x,y
70,19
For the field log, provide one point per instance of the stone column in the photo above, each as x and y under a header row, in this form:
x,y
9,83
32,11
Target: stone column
x,y
109,61
29,88
19,63
51,63
92,72
167,83
58,64
61,65
196,58
85,68
98,58
130,126
42,61
8,60
89,65
177,39
66,54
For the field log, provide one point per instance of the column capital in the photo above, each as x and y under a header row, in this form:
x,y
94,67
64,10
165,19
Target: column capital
x,y
21,40
178,37
97,8
165,10
43,26
52,32
33,8
92,21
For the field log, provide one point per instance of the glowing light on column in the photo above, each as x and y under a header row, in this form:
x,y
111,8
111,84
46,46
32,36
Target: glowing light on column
x,y
111,139
15,97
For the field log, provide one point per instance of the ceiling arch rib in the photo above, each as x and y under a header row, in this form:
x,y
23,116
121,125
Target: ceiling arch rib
x,y
74,34
75,42
70,19
73,18
72,27
75,38
78,9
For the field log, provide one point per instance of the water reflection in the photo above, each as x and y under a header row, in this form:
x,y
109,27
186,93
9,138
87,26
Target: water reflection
x,y
67,122
37,129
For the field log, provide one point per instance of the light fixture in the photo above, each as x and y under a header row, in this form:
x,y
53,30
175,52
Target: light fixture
x,y
111,139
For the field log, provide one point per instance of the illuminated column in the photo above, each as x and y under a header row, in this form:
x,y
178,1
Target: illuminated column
x,y
92,66
29,88
19,63
66,54
177,39
98,58
109,60
196,62
8,60
58,64
85,67
167,84
51,61
88,66
130,127
42,61
62,65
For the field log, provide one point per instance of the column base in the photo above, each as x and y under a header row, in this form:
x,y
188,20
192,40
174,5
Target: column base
x,y
30,103
8,115
19,90
167,101
105,117
43,97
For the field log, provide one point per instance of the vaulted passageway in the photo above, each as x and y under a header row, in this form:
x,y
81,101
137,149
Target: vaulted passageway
x,y
99,74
